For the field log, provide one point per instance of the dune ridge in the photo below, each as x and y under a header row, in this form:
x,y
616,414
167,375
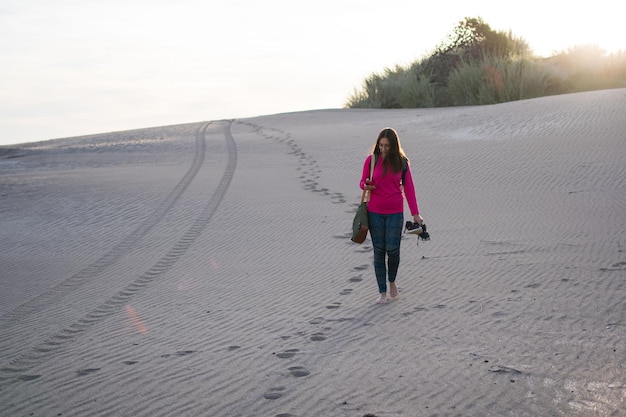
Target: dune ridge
x,y
206,268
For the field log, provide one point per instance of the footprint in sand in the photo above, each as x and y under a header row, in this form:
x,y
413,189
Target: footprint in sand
x,y
28,377
87,371
318,337
289,353
334,305
274,393
356,279
618,266
299,371
338,198
346,291
420,308
179,353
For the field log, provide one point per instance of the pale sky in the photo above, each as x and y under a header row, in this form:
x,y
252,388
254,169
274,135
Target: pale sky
x,y
79,67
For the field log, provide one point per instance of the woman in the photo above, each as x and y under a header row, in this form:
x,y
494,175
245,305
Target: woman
x,y
386,207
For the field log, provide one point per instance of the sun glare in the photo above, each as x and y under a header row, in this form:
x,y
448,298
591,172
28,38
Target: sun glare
x,y
559,27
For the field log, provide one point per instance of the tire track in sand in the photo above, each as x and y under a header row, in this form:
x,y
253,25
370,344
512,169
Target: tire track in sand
x,y
17,368
118,251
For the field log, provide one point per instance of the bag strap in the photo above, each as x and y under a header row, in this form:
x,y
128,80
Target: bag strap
x,y
372,165
405,165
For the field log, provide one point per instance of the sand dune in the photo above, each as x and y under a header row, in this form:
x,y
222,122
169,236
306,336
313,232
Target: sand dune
x,y
206,269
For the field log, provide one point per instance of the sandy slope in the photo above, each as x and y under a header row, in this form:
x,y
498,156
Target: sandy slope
x,y
206,269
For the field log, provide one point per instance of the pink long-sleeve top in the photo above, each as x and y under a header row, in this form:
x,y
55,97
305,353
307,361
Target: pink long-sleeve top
x,y
387,197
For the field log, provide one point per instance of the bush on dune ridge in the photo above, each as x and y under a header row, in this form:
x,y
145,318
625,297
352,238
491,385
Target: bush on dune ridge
x,y
477,65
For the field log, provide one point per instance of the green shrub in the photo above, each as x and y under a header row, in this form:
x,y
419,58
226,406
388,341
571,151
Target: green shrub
x,y
496,80
477,65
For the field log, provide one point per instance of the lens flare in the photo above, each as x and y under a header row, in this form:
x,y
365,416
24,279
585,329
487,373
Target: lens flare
x,y
136,320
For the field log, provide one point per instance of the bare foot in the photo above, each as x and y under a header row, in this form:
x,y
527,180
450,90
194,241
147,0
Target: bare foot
x,y
382,299
393,290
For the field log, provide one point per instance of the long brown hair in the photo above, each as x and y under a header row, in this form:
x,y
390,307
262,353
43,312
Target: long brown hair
x,y
396,154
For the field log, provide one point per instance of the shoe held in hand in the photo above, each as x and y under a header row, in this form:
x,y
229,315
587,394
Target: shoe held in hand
x,y
417,229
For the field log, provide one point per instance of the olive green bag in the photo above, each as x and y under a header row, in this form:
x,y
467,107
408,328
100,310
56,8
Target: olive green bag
x,y
360,224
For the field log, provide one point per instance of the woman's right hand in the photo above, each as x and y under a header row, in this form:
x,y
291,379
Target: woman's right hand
x,y
369,186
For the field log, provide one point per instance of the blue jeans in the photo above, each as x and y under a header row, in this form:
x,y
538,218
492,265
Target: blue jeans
x,y
386,232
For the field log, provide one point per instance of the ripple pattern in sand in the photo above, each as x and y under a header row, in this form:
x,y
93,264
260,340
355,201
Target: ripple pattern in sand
x,y
42,351
497,315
